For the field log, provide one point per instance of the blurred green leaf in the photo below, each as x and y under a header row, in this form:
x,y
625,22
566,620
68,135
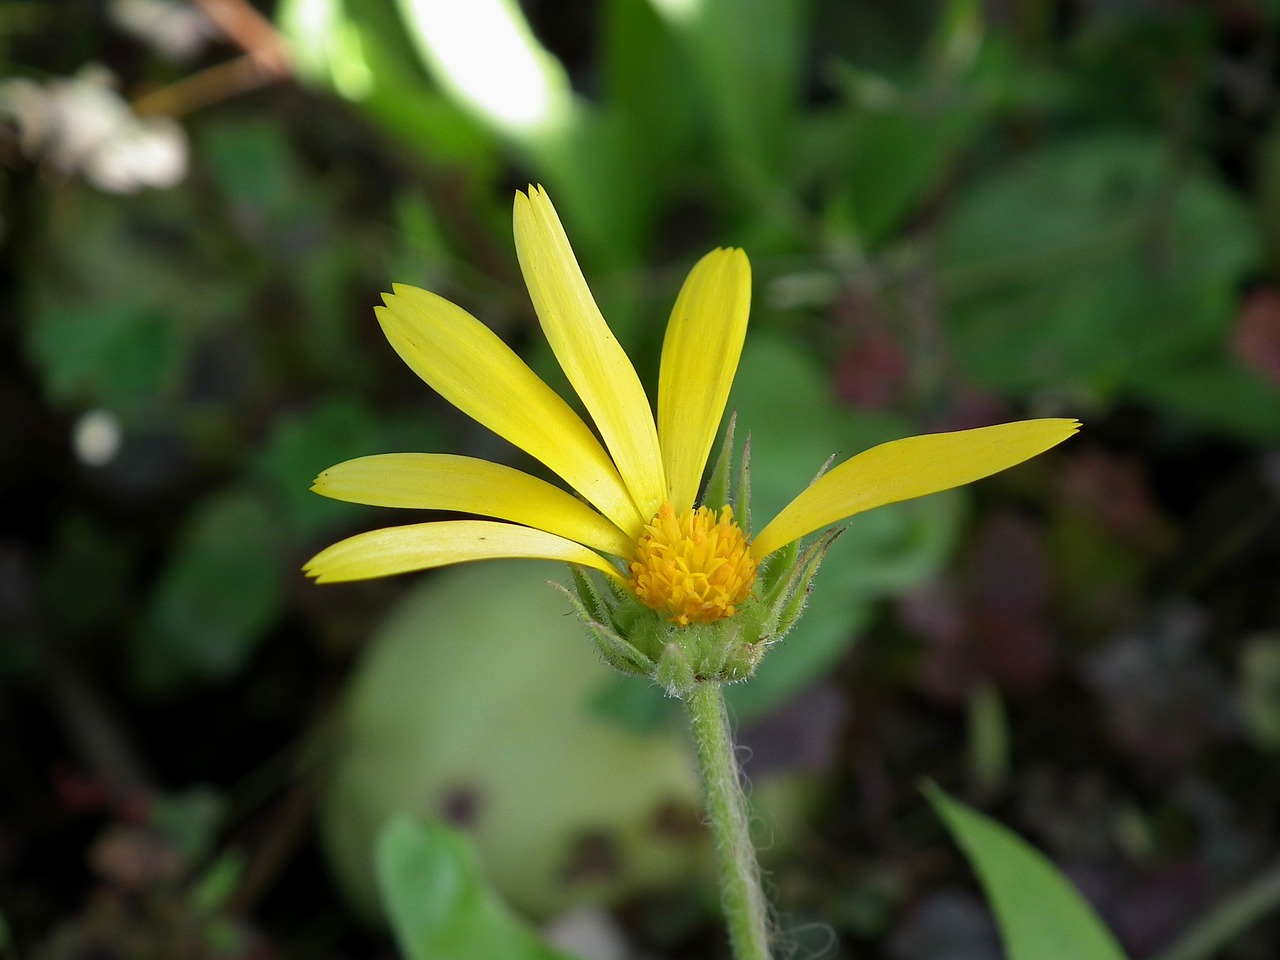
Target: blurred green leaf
x,y
747,60
92,564
1040,915
220,589
112,353
462,44
1103,264
423,250
252,163
988,739
438,903
645,76
303,443
593,158
885,149
218,883
633,705
895,157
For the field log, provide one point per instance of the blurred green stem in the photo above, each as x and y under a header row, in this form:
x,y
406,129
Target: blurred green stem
x,y
740,892
1228,920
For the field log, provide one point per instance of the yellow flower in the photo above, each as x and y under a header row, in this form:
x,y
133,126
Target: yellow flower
x,y
636,518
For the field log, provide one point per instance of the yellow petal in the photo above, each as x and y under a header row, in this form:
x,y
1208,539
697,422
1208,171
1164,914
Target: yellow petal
x,y
421,546
699,359
904,469
437,481
587,350
468,365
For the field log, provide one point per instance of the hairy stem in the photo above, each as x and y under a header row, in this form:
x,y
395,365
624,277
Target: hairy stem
x,y
740,892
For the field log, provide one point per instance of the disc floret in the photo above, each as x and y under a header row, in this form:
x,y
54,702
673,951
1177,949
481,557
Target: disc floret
x,y
695,567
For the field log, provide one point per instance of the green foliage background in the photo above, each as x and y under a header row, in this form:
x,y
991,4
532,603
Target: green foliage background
x,y
955,214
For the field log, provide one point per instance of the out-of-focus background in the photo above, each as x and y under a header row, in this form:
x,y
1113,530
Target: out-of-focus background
x,y
957,213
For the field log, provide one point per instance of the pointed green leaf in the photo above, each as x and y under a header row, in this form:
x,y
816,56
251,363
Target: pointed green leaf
x,y
439,905
1040,914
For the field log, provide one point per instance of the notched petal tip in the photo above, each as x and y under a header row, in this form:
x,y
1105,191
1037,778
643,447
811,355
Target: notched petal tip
x,y
397,290
312,570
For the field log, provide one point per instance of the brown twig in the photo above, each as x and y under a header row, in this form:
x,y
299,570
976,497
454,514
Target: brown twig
x,y
207,87
251,32
265,60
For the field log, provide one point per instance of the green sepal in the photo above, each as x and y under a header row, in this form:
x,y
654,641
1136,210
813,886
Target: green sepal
x,y
775,570
790,594
613,648
675,671
742,496
719,652
716,493
592,603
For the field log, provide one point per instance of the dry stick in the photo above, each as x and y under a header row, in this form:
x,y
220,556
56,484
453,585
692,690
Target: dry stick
x,y
251,31
211,85
266,60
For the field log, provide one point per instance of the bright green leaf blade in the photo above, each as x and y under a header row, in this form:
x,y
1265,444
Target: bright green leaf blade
x,y
439,905
1040,915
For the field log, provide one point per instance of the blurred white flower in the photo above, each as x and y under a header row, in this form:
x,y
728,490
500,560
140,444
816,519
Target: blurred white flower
x,y
174,29
80,125
96,437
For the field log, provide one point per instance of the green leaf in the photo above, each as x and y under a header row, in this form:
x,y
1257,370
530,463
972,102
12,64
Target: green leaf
x,y
217,883
748,59
112,353
253,166
439,905
645,78
1103,263
219,591
1040,915
189,821
305,442
634,706
896,157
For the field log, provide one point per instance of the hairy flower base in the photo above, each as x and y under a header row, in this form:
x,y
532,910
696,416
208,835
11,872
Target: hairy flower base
x,y
695,567
638,639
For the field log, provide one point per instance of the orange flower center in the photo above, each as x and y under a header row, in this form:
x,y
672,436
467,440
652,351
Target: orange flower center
x,y
694,568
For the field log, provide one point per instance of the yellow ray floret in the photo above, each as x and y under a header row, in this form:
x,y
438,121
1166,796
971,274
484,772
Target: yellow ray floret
x,y
909,468
588,352
467,364
422,546
439,481
700,356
